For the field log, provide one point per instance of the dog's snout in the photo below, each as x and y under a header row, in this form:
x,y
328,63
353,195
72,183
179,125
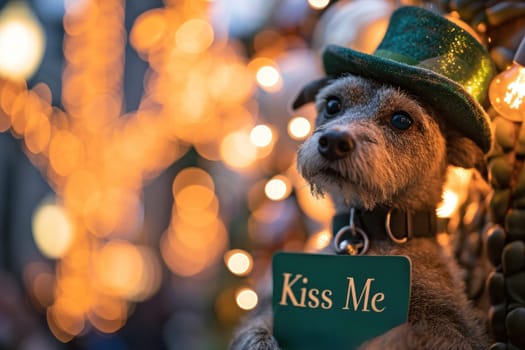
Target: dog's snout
x,y
335,144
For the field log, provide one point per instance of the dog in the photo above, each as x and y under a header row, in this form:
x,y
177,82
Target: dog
x,y
376,146
380,146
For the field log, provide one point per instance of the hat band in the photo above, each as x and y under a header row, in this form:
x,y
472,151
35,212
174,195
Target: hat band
x,y
382,53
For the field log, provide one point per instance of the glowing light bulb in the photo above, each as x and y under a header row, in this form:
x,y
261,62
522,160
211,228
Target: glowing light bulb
x,y
507,90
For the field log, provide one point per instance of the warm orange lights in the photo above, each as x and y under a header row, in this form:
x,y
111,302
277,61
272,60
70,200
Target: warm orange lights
x,y
454,192
149,30
449,204
194,36
318,208
119,266
318,241
192,175
237,150
196,238
127,271
199,95
65,150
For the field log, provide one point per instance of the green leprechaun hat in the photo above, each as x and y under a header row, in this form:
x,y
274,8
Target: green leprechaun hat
x,y
434,59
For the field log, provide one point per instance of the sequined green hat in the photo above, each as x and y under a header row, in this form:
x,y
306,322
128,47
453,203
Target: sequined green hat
x,y
434,59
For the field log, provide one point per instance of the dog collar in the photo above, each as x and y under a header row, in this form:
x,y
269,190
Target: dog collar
x,y
353,231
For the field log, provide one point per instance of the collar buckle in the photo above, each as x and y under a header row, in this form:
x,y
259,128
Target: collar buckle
x,y
389,231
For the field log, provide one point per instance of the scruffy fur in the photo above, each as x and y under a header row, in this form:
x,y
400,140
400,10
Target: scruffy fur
x,y
398,169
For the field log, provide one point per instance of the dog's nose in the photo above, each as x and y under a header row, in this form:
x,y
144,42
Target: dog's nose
x,y
335,144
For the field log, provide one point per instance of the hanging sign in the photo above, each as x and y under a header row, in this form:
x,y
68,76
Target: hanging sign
x,y
337,302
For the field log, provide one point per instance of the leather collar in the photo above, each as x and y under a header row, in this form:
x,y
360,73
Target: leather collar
x,y
402,225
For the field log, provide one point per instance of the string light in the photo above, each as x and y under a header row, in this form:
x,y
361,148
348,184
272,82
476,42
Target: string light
x,y
507,90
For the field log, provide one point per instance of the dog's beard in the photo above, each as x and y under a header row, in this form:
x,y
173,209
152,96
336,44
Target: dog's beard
x,y
341,178
329,177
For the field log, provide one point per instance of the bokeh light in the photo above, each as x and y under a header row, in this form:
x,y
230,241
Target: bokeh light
x,y
239,262
448,205
196,237
318,241
207,96
194,36
237,150
119,268
246,298
299,128
22,41
268,76
318,4
277,188
455,191
261,135
318,208
52,230
149,30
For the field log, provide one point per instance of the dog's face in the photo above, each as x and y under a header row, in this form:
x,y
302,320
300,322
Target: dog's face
x,y
373,145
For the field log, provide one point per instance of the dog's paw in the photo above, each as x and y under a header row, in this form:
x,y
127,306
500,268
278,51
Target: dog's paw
x,y
255,336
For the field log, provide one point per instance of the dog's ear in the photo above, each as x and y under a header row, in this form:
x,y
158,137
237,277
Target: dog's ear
x,y
464,153
309,91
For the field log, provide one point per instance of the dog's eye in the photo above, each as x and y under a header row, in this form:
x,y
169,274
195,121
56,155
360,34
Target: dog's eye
x,y
401,120
333,106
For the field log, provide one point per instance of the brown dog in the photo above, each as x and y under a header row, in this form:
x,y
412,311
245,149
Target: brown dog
x,y
376,146
388,127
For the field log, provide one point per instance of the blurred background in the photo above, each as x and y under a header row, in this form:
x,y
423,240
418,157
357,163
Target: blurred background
x,y
147,162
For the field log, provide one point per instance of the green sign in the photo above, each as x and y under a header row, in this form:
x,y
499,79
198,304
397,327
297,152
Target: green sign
x,y
337,302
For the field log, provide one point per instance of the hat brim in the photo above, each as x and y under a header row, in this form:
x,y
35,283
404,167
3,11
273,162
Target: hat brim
x,y
449,98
